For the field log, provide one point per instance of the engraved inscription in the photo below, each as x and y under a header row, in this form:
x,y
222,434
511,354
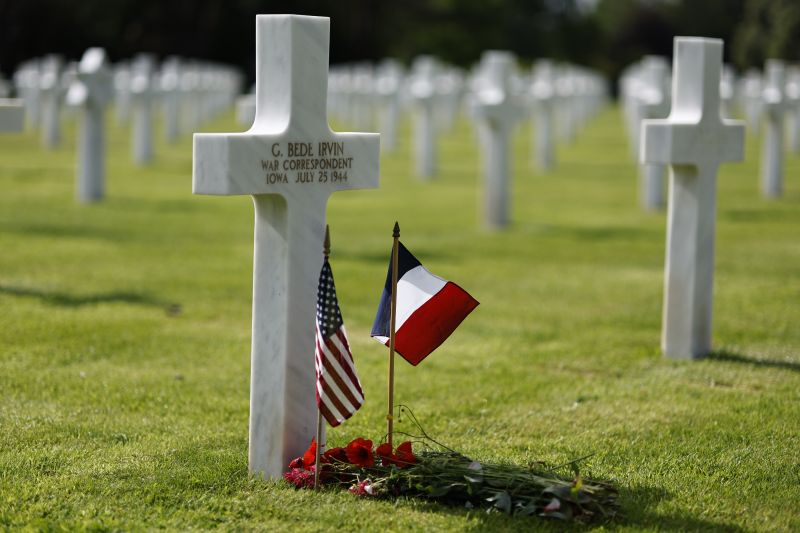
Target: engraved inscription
x,y
304,163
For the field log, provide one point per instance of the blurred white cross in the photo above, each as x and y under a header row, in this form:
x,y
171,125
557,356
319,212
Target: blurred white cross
x,y
694,140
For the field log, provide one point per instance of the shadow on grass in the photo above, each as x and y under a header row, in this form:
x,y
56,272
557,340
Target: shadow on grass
x,y
733,357
636,512
594,233
607,233
214,467
757,215
61,232
70,300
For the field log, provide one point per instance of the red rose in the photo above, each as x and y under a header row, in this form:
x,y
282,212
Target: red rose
x,y
359,453
310,457
405,457
334,455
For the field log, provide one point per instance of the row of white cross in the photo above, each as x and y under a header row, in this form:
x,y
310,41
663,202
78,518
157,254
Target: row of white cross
x,y
291,162
367,98
495,94
645,93
189,93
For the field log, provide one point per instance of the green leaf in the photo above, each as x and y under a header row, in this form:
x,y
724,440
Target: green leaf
x,y
526,509
502,501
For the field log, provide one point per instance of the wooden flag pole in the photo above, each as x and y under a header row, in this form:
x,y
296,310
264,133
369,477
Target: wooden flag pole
x,y
326,251
319,449
393,316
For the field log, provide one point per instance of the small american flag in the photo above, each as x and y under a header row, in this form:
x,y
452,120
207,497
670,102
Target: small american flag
x,y
339,393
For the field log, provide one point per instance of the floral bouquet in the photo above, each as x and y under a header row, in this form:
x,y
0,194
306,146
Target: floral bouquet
x,y
443,475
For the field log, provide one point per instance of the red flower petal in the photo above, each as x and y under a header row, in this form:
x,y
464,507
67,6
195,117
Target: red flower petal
x,y
335,454
310,457
404,447
384,451
405,457
359,453
361,441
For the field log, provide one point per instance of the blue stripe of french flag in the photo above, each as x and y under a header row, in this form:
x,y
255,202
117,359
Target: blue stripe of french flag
x,y
429,309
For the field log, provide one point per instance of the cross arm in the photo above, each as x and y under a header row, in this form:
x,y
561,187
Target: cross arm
x,y
286,163
665,141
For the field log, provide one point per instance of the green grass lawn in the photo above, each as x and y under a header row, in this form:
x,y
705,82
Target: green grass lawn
x,y
125,341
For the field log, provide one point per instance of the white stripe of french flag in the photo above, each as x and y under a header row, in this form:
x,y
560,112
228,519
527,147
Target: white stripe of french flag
x,y
429,309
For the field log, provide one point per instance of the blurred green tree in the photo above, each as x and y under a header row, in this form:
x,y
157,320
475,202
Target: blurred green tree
x,y
769,29
603,34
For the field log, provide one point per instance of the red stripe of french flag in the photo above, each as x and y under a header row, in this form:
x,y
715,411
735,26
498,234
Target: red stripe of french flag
x,y
429,309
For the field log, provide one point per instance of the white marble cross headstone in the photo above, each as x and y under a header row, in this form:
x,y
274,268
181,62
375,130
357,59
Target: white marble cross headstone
x,y
388,82
450,89
91,91
694,140
364,93
496,110
753,94
26,80
5,87
191,99
422,92
143,92
653,102
169,85
12,115
727,91
793,102
565,104
775,109
290,162
51,93
122,93
246,109
542,94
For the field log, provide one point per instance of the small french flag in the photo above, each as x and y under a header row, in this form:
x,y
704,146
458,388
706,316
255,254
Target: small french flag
x,y
429,309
